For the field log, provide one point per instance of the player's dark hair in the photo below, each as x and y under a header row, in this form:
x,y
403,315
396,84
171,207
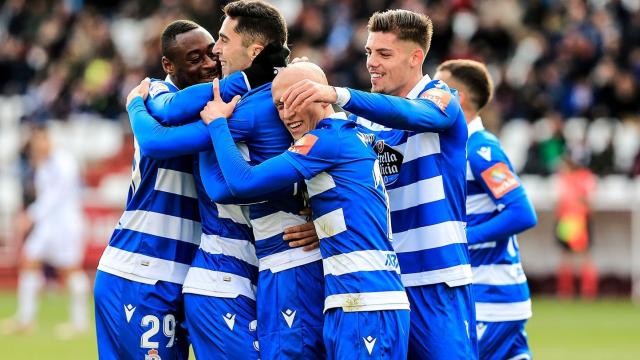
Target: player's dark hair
x,y
405,24
474,76
258,21
171,31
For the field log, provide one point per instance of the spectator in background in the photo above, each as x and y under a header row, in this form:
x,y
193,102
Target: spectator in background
x,y
573,227
54,224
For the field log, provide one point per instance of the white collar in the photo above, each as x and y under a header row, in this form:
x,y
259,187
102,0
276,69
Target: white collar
x,y
475,125
338,116
419,87
168,79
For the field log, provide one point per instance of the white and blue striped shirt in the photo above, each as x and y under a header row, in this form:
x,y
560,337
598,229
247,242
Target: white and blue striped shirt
x,y
424,170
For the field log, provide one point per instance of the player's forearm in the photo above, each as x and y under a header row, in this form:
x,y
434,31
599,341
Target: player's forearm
x,y
400,113
180,107
244,180
515,218
161,142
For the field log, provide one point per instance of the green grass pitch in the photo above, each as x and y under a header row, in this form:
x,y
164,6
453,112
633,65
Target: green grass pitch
x,y
606,329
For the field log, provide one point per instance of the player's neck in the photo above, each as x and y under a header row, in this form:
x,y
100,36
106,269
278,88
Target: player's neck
x,y
409,85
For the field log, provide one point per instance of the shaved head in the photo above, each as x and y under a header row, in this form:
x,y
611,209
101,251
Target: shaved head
x,y
299,71
299,122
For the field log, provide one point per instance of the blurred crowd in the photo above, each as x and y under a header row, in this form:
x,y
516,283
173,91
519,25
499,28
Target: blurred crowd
x,y
551,60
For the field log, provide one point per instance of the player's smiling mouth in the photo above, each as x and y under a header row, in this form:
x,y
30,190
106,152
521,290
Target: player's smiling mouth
x,y
294,125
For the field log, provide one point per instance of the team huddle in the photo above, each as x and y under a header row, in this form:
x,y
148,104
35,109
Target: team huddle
x,y
261,223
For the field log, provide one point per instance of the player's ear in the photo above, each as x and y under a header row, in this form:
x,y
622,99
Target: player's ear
x,y
167,65
417,57
254,50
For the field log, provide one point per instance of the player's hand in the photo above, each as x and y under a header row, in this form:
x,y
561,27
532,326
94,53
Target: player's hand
x,y
300,59
217,108
141,90
306,92
302,235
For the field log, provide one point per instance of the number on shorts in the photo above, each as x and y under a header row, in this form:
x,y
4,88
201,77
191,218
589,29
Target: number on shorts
x,y
168,328
155,327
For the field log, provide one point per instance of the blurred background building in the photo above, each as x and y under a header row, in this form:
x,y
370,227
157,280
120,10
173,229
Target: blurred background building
x,y
566,75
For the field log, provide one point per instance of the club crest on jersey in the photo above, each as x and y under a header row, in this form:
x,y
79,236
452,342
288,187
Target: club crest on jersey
x,y
304,144
152,355
390,161
500,180
437,96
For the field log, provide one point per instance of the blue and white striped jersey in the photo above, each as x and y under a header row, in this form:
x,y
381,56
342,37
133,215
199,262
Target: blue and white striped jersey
x,y
159,232
257,128
499,283
349,205
423,164
225,265
158,235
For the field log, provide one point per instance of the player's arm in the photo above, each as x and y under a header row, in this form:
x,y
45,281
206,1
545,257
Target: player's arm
x,y
435,110
489,166
175,108
160,142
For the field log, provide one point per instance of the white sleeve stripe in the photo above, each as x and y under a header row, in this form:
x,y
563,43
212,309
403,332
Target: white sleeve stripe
x,y
480,204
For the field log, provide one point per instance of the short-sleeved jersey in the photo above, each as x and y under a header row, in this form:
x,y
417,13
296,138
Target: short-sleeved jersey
x,y
424,172
499,283
351,216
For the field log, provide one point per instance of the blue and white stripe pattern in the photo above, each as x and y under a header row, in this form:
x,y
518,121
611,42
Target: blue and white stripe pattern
x,y
267,139
225,264
499,284
427,201
350,213
159,232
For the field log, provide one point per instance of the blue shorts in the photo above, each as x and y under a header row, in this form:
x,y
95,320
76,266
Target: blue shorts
x,y
366,335
290,304
443,324
221,328
139,321
503,340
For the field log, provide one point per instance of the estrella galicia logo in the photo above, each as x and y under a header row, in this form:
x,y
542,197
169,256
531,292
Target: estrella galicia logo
x,y
390,161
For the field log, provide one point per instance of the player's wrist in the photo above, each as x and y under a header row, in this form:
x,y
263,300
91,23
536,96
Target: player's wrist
x,y
342,96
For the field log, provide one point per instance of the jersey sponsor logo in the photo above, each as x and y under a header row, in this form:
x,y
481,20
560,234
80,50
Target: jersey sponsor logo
x,y
392,261
230,320
304,144
289,316
369,342
439,97
152,355
485,153
500,180
390,161
128,311
156,88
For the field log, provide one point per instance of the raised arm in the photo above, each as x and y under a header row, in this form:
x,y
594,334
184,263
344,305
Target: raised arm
x,y
435,110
